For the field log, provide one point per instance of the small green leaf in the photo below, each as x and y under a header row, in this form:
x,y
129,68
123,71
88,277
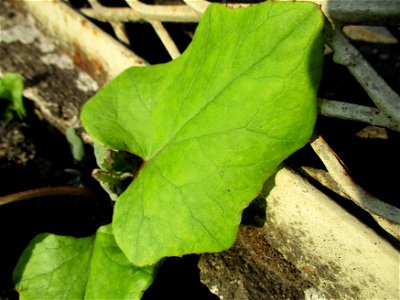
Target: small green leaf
x,y
61,267
104,157
112,182
76,144
11,89
115,161
211,126
116,170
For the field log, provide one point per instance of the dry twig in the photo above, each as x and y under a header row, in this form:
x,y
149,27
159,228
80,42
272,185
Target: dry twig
x,y
381,94
356,112
385,214
140,11
166,39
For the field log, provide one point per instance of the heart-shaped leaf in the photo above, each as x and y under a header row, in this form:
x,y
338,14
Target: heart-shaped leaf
x,y
211,126
62,267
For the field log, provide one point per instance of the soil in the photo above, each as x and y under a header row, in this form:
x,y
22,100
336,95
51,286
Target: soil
x,y
34,154
252,269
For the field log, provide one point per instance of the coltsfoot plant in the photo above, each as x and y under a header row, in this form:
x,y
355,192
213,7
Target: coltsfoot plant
x,y
211,127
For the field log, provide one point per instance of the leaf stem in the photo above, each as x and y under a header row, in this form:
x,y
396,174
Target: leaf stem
x,y
47,191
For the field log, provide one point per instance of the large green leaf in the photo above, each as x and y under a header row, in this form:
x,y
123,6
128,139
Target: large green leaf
x,y
61,267
211,126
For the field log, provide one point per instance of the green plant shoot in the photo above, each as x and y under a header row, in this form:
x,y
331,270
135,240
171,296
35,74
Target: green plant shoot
x,y
11,89
211,126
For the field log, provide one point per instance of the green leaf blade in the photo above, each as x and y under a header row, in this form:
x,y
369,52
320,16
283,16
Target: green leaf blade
x,y
112,275
61,267
45,272
212,126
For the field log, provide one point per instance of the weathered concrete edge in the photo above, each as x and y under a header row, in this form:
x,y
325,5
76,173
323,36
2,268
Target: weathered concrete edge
x,y
78,36
334,250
